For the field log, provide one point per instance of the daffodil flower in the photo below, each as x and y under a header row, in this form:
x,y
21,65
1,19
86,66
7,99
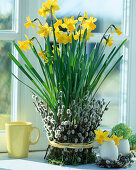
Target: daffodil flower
x,y
102,136
117,30
58,23
90,23
89,34
24,45
61,37
116,139
85,17
29,23
42,54
44,10
44,30
76,37
109,42
69,23
69,38
47,7
29,41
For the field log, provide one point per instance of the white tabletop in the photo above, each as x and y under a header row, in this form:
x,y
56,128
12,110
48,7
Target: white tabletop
x,y
35,161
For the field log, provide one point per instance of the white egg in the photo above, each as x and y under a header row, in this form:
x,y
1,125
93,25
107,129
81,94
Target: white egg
x,y
109,151
124,147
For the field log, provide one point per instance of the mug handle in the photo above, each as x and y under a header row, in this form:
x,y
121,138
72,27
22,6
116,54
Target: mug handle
x,y
37,139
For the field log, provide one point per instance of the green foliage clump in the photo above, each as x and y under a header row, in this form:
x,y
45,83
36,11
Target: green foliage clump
x,y
132,141
122,130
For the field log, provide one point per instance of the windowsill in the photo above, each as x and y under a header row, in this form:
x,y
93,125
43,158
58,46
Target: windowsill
x,y
35,161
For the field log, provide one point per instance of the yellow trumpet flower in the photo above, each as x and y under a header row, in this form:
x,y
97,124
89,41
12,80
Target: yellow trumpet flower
x,y
47,7
58,23
29,23
69,23
102,136
116,139
85,17
29,41
44,10
23,45
42,54
89,24
117,30
44,30
110,42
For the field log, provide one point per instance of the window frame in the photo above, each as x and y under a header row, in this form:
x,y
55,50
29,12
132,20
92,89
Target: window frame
x,y
23,109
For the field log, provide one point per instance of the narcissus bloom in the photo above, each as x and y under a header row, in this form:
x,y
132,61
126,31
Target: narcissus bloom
x,y
42,54
69,23
76,37
102,136
89,34
43,11
85,17
47,7
58,23
116,139
110,41
117,30
29,41
44,30
24,45
69,38
61,38
29,23
90,23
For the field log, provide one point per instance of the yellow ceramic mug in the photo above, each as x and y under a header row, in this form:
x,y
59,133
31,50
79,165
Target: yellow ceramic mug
x,y
18,138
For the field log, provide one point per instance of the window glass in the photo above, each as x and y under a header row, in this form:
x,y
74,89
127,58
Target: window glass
x,y
6,14
107,12
5,83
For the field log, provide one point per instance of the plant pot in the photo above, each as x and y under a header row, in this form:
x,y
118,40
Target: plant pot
x,y
76,128
70,156
109,151
124,147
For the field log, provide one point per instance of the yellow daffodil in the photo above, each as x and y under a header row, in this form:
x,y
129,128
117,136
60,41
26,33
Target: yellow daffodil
x,y
24,45
90,23
58,23
69,23
44,30
29,23
29,41
76,37
116,139
69,38
47,7
89,34
43,11
102,136
61,37
42,54
85,17
117,30
110,41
